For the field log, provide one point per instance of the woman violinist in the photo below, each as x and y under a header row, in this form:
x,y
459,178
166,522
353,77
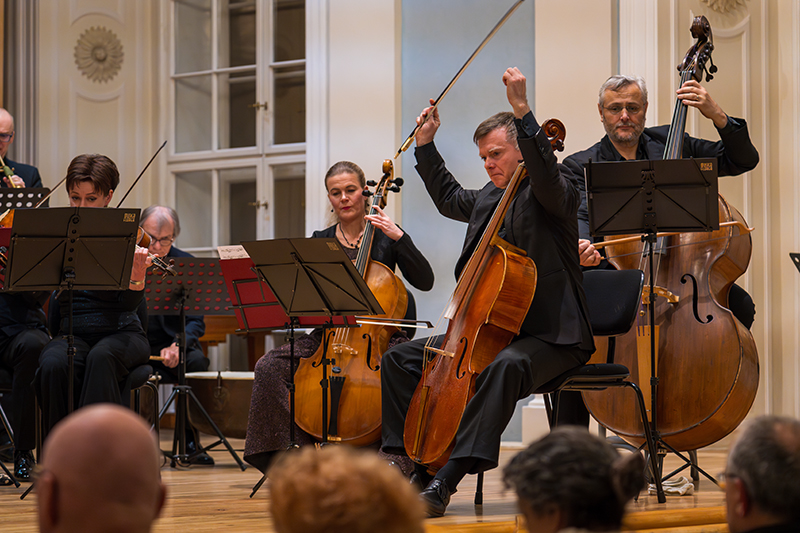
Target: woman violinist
x,y
268,422
109,337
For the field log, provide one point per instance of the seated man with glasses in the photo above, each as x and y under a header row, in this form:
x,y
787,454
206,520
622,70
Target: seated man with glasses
x,y
623,108
22,335
163,226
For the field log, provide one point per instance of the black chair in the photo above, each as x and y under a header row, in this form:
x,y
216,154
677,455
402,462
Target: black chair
x,y
613,298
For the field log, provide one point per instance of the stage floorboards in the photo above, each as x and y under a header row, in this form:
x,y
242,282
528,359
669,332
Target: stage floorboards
x,y
213,498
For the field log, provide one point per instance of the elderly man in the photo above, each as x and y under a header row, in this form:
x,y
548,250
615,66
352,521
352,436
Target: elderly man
x,y
100,472
163,226
623,109
762,492
22,329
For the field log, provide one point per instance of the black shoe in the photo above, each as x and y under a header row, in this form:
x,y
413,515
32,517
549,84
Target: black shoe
x,y
192,438
23,464
436,497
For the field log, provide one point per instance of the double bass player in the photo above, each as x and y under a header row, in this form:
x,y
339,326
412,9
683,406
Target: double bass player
x,y
555,335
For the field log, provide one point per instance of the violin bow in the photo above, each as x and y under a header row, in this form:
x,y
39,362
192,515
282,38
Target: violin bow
x,y
142,173
485,41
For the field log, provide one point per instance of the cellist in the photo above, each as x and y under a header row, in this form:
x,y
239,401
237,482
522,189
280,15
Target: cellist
x,y
556,335
267,423
623,109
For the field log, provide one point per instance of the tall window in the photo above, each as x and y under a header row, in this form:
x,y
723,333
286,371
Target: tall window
x,y
237,119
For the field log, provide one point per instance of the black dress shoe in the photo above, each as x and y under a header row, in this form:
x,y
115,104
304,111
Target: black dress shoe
x,y
192,439
436,497
23,464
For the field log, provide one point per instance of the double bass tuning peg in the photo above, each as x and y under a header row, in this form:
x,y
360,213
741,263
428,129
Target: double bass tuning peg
x,y
367,192
398,181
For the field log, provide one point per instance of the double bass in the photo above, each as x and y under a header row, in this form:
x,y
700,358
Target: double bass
x,y
354,395
485,312
706,360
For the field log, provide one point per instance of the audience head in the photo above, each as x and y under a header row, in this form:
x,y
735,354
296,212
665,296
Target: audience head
x,y
571,478
762,486
162,224
91,180
100,472
340,489
6,131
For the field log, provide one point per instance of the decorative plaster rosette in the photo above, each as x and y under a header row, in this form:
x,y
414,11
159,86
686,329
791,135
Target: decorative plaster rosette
x,y
724,6
98,54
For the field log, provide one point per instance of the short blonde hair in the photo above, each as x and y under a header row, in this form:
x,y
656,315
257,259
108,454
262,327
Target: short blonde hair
x,y
340,489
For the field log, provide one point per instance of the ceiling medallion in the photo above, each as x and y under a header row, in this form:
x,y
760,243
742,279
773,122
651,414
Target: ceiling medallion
x,y
98,54
724,6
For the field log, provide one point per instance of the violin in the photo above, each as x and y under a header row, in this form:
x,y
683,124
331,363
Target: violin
x,y
143,239
355,384
706,363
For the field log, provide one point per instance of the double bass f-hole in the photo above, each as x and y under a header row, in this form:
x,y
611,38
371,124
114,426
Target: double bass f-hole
x,y
709,318
368,338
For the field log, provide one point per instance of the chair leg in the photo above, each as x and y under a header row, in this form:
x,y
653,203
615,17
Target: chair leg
x,y
154,388
479,490
651,446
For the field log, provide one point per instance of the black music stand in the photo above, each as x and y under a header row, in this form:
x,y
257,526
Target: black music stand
x,y
26,197
199,288
647,197
795,259
71,248
308,278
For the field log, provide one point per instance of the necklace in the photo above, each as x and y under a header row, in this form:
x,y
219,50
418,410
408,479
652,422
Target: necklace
x,y
350,244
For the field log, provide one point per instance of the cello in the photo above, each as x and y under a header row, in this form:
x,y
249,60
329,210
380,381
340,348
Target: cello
x,y
706,360
484,314
355,384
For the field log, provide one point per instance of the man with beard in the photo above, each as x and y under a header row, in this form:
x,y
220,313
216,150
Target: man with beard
x,y
623,108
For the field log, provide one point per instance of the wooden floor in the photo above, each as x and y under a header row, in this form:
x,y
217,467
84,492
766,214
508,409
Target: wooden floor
x,y
217,498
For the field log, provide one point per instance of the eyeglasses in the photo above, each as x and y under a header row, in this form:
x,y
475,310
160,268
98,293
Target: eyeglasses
x,y
163,241
632,109
5,137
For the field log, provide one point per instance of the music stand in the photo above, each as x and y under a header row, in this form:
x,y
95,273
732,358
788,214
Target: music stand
x,y
307,278
795,259
199,288
71,248
646,197
26,197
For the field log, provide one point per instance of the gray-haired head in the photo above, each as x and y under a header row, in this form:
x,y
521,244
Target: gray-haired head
x,y
503,120
620,81
162,214
766,457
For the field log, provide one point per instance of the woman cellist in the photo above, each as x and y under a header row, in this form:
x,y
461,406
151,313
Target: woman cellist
x,y
267,426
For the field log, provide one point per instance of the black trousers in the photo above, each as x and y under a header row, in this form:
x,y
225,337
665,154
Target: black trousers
x,y
20,354
102,365
517,371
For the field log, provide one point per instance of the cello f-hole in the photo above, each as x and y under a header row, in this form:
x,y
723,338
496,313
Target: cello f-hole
x,y
709,318
461,373
368,338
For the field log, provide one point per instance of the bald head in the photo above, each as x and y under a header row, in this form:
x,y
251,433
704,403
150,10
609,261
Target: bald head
x,y
6,128
100,472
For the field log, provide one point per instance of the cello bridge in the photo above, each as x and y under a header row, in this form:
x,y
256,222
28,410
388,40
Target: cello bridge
x,y
340,349
660,291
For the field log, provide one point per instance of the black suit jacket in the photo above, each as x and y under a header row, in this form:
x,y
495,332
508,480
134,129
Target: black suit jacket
x,y
541,220
163,330
28,173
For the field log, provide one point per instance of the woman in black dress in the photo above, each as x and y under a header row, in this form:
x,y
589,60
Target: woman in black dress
x,y
268,422
109,337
